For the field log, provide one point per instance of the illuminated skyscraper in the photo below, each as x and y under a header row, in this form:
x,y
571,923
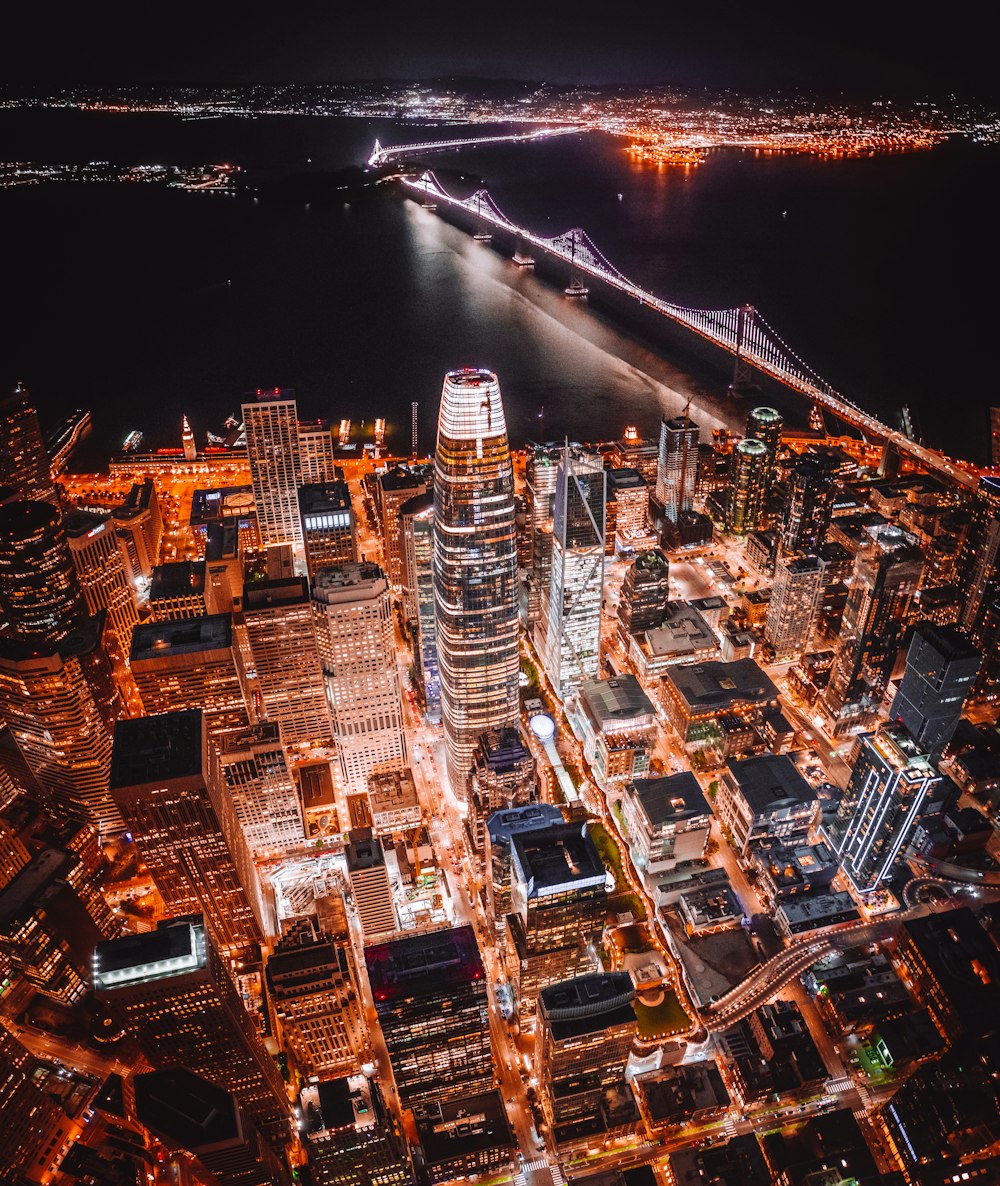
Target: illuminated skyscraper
x,y
396,486
892,786
416,517
356,637
677,465
33,1123
577,577
24,462
187,440
475,566
316,457
328,528
272,432
941,667
979,561
175,992
808,507
645,595
502,776
166,782
261,786
100,567
40,592
540,472
795,601
765,425
748,486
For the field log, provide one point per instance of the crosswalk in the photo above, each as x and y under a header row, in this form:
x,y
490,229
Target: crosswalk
x,y
836,1086
539,1163
732,1125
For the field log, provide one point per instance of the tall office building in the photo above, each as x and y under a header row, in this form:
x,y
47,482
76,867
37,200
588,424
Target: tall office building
x,y
191,663
24,461
430,998
765,425
978,566
501,827
584,1032
416,520
174,990
645,595
261,786
884,580
369,879
100,568
893,785
282,637
350,1137
558,905
60,703
357,646
576,587
747,487
396,486
540,472
941,668
272,433
314,997
502,776
33,1123
808,506
328,527
317,463
167,785
139,530
677,465
475,566
40,593
796,597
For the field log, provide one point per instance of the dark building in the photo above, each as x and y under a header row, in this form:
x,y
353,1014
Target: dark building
x,y
941,667
676,1096
184,1110
32,1121
328,529
465,1137
771,1051
24,461
826,1148
808,504
739,1162
430,998
502,776
40,592
583,1035
501,827
350,1137
645,595
978,565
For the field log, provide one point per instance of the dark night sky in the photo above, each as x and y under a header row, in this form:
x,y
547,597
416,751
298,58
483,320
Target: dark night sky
x,y
856,47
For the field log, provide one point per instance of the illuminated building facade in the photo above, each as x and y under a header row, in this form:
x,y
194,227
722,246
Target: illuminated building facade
x,y
260,783
677,465
282,636
316,458
328,528
34,1126
502,776
500,829
765,425
369,879
272,434
808,506
748,486
430,998
645,595
139,530
395,487
799,585
416,518
577,572
356,635
893,785
179,590
100,567
167,785
475,566
176,994
540,473
627,510
40,592
350,1137
978,567
24,462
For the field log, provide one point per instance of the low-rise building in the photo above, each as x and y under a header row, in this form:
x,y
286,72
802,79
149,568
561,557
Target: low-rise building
x,y
465,1137
392,797
677,1096
696,695
814,912
772,1053
793,868
764,796
709,909
683,636
666,821
349,1135
616,721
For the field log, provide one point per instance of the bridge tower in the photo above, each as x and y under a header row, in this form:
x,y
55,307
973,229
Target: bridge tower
x,y
743,385
521,256
576,287
482,235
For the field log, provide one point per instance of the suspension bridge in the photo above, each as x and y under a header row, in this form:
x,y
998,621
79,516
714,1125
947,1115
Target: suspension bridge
x,y
740,331
383,154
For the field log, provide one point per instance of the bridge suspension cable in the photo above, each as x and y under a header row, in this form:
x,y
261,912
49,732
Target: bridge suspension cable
x,y
382,154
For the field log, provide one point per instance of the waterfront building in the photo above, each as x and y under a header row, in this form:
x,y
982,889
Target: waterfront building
x,y
748,486
350,1136
191,663
260,783
187,440
502,776
796,597
60,703
576,587
430,998
941,668
329,531
282,636
764,796
184,1110
24,461
584,1032
466,1138
559,901
501,827
52,913
357,647
627,510
677,466
166,783
416,524
139,530
100,568
179,590
475,566
808,505
541,468
369,879
314,998
765,425
666,821
40,593
175,992
885,578
316,452
395,487
271,424
645,595
893,787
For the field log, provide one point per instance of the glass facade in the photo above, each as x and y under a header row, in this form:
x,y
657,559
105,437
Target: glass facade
x,y
475,566
747,487
677,465
40,592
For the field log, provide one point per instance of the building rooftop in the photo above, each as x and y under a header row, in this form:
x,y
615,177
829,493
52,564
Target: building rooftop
x,y
455,1129
610,702
26,891
818,908
176,947
182,578
556,860
391,790
264,594
158,748
667,800
183,1108
317,498
222,542
363,850
185,636
716,686
401,478
79,524
424,965
338,1104
770,781
598,995
674,1093
504,824
625,478
347,582
683,632
963,961
229,502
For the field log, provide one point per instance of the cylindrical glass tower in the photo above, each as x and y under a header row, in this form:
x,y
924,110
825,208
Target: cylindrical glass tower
x,y
39,588
747,487
475,566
